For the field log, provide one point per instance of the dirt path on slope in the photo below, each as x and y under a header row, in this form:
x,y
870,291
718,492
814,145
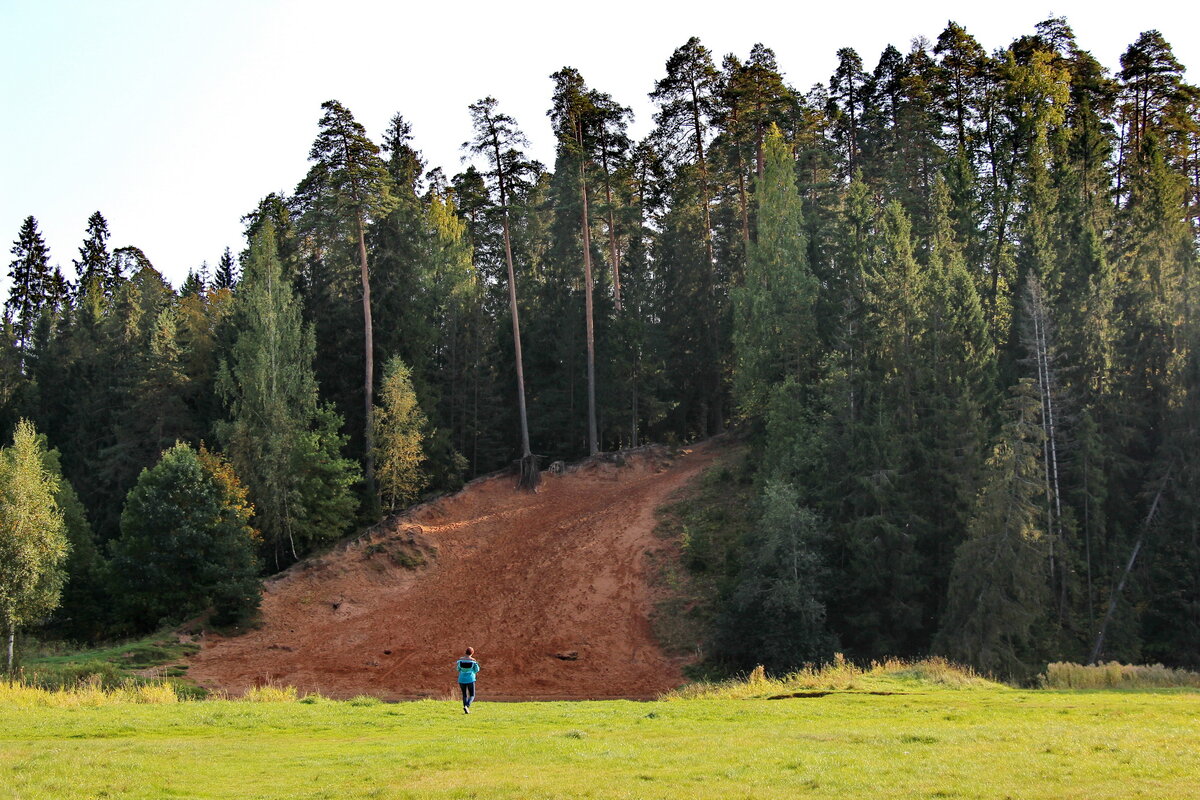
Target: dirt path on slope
x,y
551,589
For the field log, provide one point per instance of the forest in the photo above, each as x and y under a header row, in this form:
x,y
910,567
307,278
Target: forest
x,y
948,301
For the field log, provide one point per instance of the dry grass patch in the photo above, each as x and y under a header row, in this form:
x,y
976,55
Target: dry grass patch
x,y
888,676
1113,675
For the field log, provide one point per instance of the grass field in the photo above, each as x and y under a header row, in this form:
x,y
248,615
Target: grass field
x,y
927,740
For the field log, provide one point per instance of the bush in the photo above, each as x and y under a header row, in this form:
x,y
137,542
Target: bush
x,y
186,544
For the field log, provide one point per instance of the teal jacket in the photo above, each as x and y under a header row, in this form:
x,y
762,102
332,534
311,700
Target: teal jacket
x,y
467,669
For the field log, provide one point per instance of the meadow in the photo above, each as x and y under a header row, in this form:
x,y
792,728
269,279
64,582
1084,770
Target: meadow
x,y
921,733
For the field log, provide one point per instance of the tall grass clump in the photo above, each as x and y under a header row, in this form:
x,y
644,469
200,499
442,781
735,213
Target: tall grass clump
x,y
1114,675
840,675
271,693
88,694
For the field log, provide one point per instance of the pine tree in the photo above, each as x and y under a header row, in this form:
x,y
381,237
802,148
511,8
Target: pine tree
x,y
963,72
347,188
848,98
497,139
575,115
687,104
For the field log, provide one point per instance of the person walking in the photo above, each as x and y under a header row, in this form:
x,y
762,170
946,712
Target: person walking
x,y
467,668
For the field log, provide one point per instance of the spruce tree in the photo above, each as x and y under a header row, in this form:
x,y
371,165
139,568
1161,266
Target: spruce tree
x,y
225,276
775,331
999,593
95,261
29,276
776,616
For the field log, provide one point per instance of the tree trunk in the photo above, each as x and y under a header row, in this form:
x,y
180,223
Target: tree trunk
x,y
612,234
633,422
369,373
529,474
593,445
12,635
711,328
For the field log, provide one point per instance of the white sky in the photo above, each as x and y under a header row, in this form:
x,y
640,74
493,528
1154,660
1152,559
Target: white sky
x,y
173,119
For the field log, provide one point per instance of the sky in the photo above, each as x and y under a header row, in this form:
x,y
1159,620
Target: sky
x,y
173,119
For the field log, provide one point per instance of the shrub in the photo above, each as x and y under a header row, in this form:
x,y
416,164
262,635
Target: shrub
x,y
186,544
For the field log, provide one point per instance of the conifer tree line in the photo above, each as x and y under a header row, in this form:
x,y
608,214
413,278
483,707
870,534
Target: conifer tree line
x,y
949,299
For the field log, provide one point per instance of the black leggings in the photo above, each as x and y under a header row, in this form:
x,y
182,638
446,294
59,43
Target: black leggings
x,y
468,691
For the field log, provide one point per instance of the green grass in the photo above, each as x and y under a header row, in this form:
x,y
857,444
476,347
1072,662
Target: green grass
x,y
151,659
977,741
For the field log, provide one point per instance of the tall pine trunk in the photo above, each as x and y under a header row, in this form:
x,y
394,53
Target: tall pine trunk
x,y
369,373
612,233
529,474
593,444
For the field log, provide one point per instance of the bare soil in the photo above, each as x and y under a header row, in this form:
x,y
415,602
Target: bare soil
x,y
553,590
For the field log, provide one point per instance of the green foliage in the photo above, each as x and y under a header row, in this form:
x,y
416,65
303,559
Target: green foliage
x,y
400,433
33,535
81,613
775,329
998,596
709,526
839,270
775,617
186,545
29,274
280,440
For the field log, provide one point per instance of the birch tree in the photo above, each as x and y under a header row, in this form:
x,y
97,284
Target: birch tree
x,y
33,536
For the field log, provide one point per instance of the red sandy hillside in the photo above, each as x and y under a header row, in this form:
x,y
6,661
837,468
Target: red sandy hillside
x,y
551,589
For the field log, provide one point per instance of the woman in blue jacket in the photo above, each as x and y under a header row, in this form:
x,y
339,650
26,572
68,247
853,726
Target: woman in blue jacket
x,y
467,668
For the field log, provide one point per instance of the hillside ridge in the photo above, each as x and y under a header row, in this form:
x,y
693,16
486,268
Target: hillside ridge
x,y
552,589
